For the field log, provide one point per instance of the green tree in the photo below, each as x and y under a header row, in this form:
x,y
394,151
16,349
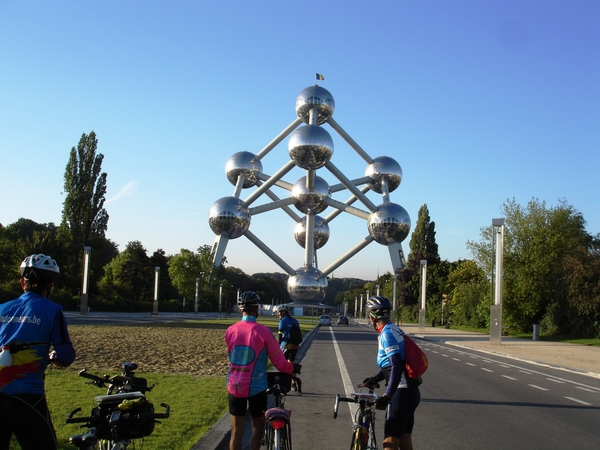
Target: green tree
x,y
541,246
423,246
84,218
129,276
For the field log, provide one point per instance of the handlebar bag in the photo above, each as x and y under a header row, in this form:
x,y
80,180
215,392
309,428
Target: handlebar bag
x,y
136,417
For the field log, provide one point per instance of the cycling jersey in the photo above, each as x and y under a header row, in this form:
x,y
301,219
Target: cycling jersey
x,y
391,350
284,331
250,344
29,325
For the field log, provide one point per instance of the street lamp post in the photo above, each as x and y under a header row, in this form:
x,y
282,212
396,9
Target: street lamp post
x,y
496,308
197,293
220,297
156,281
423,294
87,253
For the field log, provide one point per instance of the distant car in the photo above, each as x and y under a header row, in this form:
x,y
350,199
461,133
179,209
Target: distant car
x,y
343,320
325,320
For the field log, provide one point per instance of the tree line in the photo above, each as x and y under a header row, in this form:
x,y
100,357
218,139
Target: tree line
x,y
551,265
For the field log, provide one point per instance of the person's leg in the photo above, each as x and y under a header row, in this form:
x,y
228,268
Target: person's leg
x,y
237,432
237,414
6,412
257,407
391,443
258,431
34,415
406,442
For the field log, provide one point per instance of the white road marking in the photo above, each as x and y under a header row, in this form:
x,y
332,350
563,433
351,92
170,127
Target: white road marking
x,y
579,401
539,387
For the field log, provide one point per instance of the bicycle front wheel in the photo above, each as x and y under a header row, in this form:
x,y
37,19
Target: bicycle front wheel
x,y
358,439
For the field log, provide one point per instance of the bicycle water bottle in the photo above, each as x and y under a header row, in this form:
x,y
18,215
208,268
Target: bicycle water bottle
x,y
5,357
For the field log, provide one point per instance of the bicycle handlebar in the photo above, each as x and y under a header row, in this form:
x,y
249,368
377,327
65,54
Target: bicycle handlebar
x,y
357,397
164,415
116,381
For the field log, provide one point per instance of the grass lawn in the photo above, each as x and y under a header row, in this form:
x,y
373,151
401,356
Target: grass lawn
x,y
197,401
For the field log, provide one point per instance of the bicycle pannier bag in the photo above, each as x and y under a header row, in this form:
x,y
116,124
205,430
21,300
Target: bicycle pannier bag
x,y
416,360
135,419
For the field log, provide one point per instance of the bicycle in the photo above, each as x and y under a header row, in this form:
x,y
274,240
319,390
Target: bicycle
x,y
278,430
363,427
123,414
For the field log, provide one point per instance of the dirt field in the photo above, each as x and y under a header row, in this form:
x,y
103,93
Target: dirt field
x,y
193,351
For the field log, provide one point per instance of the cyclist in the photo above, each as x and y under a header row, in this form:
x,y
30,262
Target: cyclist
x,y
289,349
402,393
250,344
29,326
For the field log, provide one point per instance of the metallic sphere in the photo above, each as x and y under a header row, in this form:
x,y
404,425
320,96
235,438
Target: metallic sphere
x,y
320,235
311,201
315,97
228,216
243,163
308,285
310,147
384,168
390,223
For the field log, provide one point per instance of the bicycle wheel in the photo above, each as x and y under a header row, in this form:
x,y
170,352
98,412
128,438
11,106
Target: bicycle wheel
x,y
269,438
358,439
286,438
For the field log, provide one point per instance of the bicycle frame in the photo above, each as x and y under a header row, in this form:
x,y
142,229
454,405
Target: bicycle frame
x,y
363,427
278,431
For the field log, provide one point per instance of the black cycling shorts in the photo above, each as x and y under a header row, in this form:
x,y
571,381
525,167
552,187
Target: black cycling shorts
x,y
402,412
27,417
257,404
290,354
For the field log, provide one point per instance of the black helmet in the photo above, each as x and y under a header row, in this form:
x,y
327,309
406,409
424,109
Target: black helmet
x,y
378,307
39,269
248,301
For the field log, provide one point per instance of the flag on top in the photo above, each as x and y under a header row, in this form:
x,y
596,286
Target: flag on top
x,y
320,77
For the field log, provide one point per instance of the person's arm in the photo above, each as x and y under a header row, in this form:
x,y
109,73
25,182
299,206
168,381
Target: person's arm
x,y
61,342
397,364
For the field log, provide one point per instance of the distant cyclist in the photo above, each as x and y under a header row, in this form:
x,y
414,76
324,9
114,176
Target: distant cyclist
x,y
30,327
290,348
250,345
403,398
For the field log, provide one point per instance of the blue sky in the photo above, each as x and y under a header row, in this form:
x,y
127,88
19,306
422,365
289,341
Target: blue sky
x,y
478,101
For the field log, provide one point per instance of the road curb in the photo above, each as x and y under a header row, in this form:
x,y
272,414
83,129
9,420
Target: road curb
x,y
217,437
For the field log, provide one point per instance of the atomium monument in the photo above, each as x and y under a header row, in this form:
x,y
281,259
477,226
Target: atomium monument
x,y
310,147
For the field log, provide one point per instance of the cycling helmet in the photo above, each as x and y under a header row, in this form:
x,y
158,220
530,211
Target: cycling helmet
x,y
378,307
248,301
281,308
39,268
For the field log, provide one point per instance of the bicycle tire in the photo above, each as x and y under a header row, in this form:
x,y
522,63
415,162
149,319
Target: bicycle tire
x,y
286,438
269,438
358,439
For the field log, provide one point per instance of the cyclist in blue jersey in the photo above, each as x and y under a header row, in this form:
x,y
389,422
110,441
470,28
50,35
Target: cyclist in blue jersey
x,y
289,349
250,346
402,393
30,326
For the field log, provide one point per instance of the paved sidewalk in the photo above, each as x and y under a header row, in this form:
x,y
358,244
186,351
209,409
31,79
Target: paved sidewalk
x,y
575,357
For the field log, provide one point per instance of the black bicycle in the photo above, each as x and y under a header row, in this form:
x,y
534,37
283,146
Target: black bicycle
x,y
363,428
278,429
122,415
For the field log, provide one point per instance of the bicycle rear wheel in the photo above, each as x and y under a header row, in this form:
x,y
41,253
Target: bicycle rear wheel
x,y
286,438
269,437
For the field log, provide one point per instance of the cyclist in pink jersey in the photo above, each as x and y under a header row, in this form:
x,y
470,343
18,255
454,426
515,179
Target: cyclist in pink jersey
x,y
250,345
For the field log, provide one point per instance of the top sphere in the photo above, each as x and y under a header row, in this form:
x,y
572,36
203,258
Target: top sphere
x,y
315,97
384,168
243,163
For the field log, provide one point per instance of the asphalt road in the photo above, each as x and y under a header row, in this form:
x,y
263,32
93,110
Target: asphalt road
x,y
469,399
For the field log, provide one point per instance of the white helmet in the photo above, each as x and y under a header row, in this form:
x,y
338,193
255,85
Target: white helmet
x,y
281,308
40,268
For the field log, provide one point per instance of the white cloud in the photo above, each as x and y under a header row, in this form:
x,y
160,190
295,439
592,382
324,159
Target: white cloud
x,y
127,191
